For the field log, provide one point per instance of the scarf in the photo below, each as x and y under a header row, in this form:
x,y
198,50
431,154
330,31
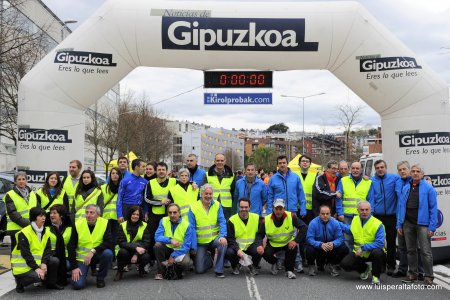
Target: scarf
x,y
24,192
331,181
37,230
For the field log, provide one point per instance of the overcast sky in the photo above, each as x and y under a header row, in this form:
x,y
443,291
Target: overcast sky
x,y
423,26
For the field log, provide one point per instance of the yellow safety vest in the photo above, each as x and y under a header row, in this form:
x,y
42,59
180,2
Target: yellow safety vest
x,y
353,194
37,248
179,233
307,185
81,203
46,200
207,227
70,190
22,207
88,240
184,198
137,238
222,190
245,234
279,236
160,193
110,200
363,235
66,237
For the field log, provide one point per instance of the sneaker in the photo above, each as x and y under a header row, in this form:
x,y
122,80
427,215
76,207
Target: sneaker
x,y
253,271
159,276
280,265
20,289
375,280
126,269
299,268
147,268
236,270
100,283
220,275
366,273
290,275
274,269
312,271
334,271
227,264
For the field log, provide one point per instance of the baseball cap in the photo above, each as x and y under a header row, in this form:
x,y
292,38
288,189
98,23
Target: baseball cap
x,y
278,202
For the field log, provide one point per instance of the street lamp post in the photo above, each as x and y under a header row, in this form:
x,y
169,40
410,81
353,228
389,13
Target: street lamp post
x,y
64,25
303,114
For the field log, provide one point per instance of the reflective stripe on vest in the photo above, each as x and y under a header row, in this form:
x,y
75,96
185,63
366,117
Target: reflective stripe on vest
x,y
353,194
110,200
83,203
22,207
222,190
363,235
160,193
179,233
137,237
206,227
37,248
279,236
307,185
88,240
184,198
245,233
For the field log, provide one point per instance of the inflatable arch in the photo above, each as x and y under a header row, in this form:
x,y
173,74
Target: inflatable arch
x,y
341,37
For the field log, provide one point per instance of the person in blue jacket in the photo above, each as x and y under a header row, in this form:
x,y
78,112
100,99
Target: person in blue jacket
x,y
197,175
252,188
384,208
325,242
417,221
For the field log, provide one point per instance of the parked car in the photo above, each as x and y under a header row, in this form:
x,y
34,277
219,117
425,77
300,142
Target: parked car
x,y
6,183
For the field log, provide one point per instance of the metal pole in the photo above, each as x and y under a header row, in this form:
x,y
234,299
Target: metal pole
x,y
303,134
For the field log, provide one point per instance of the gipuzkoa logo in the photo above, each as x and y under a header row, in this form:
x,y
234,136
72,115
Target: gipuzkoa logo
x,y
387,64
234,34
84,58
440,180
44,135
424,139
39,176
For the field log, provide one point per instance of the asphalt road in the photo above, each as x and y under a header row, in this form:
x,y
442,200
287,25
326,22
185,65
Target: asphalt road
x,y
243,286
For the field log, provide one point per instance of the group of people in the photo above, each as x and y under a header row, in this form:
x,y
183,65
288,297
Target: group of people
x,y
211,219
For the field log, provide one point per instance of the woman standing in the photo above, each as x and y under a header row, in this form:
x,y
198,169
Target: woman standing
x,y
184,193
52,192
18,203
87,193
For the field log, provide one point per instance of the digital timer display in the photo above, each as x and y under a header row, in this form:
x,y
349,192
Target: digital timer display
x,y
238,79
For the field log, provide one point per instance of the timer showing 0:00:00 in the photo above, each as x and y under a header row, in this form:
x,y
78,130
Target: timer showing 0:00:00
x,y
243,79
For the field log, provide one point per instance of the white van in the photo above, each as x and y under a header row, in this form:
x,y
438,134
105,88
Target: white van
x,y
367,162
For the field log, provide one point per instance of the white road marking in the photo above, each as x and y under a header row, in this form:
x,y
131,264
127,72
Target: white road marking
x,y
442,276
252,288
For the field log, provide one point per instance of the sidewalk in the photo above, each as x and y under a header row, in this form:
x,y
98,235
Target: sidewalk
x,y
7,282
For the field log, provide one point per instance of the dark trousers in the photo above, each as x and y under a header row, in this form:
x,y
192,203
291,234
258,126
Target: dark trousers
x,y
227,212
12,234
390,223
124,258
114,225
351,262
232,256
403,257
289,255
153,223
333,257
32,277
162,253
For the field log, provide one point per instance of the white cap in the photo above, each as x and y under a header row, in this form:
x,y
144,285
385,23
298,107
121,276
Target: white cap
x,y
278,202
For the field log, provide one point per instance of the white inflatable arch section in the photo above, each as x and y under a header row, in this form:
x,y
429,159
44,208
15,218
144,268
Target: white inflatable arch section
x,y
341,37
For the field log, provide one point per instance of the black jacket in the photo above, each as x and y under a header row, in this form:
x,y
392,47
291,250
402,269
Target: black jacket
x,y
24,246
132,231
323,195
11,210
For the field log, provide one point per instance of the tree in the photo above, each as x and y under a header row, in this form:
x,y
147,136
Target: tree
x,y
264,157
233,159
278,128
348,117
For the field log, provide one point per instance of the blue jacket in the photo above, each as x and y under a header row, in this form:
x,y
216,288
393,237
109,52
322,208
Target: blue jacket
x,y
384,201
428,215
289,188
220,219
131,191
258,195
190,238
320,232
199,177
378,243
339,207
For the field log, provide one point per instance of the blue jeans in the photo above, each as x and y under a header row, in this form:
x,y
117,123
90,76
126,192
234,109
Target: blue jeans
x,y
104,260
204,257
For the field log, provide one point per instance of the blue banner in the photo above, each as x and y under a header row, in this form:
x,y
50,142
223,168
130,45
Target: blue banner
x,y
234,98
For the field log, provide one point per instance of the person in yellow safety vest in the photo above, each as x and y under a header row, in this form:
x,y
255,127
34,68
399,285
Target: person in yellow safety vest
x,y
156,201
88,192
307,178
89,245
70,183
18,203
207,217
59,226
350,190
52,192
369,236
243,237
221,177
280,227
31,258
184,193
133,240
174,238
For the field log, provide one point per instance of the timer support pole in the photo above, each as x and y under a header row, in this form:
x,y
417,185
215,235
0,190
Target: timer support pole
x,y
303,114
